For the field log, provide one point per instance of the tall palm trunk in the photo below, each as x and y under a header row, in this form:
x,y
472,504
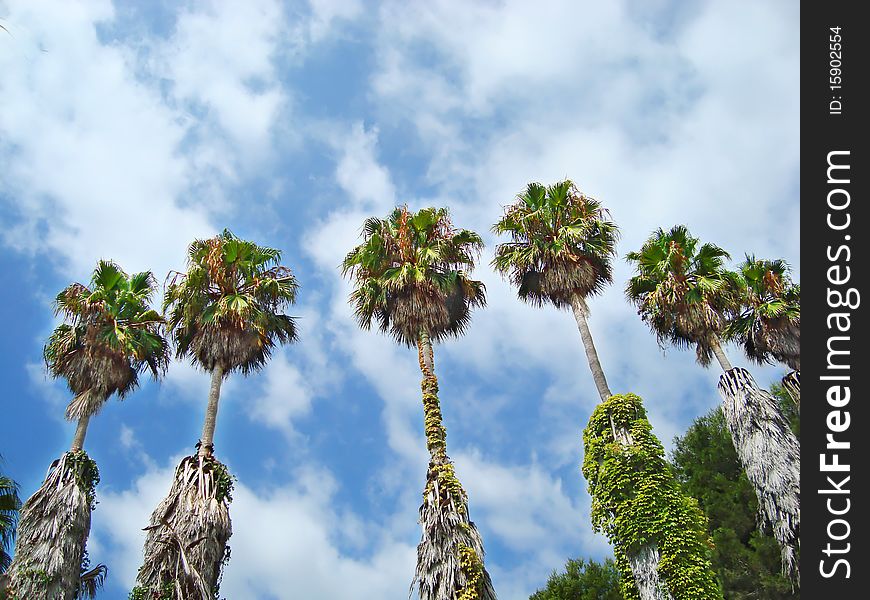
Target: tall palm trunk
x,y
581,315
186,545
450,552
81,431
53,530
644,563
720,355
206,447
770,455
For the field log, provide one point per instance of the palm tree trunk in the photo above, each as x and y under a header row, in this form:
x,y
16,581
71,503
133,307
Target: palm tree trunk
x,y
206,441
436,435
186,544
450,553
52,533
581,313
645,568
644,563
770,455
81,431
720,355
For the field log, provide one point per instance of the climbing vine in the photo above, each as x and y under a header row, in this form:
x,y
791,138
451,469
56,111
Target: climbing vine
x,y
636,501
223,480
444,493
472,567
86,474
166,592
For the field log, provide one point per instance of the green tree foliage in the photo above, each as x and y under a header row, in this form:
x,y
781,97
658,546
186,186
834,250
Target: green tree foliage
x,y
583,580
746,559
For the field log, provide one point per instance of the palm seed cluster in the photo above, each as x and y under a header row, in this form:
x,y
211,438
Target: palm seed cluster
x,y
411,276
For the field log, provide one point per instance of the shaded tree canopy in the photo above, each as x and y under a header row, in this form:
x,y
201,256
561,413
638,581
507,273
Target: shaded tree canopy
x,y
583,580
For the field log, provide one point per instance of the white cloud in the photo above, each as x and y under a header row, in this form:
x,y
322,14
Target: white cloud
x,y
221,58
285,537
662,130
325,13
358,172
286,394
90,153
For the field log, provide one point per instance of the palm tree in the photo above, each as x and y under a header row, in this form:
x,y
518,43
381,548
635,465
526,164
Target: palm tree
x,y
561,248
10,504
411,278
685,294
768,325
223,314
560,253
110,335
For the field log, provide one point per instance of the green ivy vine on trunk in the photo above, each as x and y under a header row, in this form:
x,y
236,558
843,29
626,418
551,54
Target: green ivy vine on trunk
x,y
86,473
637,501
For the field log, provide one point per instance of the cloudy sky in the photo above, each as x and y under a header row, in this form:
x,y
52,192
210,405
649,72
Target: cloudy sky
x,y
127,129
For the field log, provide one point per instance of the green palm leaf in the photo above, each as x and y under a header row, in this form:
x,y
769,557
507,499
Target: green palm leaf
x,y
768,323
562,244
110,335
225,309
682,290
411,275
10,504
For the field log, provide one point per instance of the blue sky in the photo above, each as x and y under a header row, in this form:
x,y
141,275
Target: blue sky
x,y
127,129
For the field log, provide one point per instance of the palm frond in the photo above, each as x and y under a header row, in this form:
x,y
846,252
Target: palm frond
x,y
91,581
110,335
768,324
226,309
411,275
683,291
562,243
10,504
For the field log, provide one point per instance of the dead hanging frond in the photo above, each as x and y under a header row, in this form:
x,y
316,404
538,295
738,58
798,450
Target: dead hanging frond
x,y
53,531
450,553
91,581
792,384
186,546
770,455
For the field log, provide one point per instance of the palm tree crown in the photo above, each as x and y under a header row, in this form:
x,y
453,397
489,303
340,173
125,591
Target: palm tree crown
x,y
682,290
562,244
110,336
411,275
768,325
223,312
